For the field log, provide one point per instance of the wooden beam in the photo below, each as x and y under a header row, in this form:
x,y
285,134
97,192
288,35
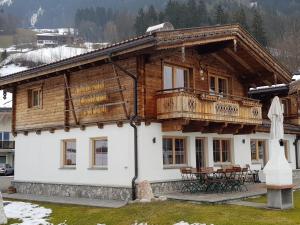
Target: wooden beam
x,y
240,60
116,74
195,126
213,47
232,129
70,98
14,110
224,62
66,106
174,125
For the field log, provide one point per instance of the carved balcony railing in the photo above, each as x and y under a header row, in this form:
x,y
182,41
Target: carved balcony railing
x,y
200,105
7,145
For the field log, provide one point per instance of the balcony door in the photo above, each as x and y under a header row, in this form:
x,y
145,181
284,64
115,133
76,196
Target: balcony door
x,y
175,77
200,153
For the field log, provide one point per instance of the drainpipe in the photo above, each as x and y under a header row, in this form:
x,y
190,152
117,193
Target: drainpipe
x,y
132,119
296,151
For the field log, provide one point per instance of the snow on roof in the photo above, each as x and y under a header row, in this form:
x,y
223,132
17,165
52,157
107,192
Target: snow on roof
x,y
268,87
57,31
160,27
49,34
296,77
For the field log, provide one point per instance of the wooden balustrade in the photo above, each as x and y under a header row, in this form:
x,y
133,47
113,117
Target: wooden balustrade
x,y
205,107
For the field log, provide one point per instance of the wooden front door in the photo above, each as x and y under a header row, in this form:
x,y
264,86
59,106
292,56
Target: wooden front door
x,y
200,153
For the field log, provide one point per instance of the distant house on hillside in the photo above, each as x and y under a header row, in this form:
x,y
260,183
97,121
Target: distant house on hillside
x,y
53,39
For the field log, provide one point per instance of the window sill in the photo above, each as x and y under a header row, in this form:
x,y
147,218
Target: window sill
x,y
171,167
68,168
256,163
98,168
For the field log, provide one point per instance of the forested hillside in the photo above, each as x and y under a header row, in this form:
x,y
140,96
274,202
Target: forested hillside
x,y
274,23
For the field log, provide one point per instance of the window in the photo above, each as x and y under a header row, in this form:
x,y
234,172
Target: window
x,y
69,153
174,151
257,150
4,136
285,106
218,85
221,150
175,77
100,152
286,150
34,98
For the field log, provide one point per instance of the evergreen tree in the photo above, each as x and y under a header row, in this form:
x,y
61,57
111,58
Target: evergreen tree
x,y
220,16
140,22
4,55
151,17
240,17
202,13
258,30
175,13
192,16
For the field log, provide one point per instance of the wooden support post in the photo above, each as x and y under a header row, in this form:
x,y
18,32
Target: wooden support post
x,y
14,104
120,124
100,125
52,131
67,80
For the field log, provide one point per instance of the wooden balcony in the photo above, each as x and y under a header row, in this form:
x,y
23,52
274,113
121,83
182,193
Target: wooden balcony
x,y
202,106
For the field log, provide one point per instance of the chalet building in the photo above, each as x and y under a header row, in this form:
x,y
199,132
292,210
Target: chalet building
x,y
96,124
53,39
7,143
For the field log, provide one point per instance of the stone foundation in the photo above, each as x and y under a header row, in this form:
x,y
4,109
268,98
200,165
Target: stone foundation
x,y
91,191
166,187
73,190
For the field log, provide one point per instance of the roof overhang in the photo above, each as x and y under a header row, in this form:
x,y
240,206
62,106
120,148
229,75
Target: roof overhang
x,y
216,35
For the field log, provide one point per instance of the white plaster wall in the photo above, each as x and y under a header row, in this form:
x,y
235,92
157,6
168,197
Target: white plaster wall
x,y
38,157
151,160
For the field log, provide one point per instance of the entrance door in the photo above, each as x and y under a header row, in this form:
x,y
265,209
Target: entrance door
x,y
200,153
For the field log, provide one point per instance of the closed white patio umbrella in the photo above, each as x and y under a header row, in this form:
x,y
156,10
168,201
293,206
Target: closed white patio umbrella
x,y
278,171
276,116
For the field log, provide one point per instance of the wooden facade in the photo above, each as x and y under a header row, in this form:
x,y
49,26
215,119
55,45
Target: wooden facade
x,y
215,67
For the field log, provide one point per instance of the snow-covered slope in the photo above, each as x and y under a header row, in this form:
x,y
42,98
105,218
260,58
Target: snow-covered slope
x,y
44,55
10,69
6,2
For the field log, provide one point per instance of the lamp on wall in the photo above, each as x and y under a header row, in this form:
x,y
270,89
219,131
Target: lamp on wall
x,y
154,140
202,72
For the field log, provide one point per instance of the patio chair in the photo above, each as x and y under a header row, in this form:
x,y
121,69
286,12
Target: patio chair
x,y
189,181
231,176
252,175
215,183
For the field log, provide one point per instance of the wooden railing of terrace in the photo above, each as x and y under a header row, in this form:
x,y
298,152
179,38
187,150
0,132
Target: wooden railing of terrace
x,y
204,106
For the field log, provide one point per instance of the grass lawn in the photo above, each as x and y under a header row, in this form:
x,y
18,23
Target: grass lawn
x,y
21,36
170,212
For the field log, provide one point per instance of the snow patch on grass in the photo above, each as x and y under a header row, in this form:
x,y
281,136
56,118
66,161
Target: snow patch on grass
x,y
29,214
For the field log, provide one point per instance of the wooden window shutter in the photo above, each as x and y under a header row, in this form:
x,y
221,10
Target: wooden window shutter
x,y
29,98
